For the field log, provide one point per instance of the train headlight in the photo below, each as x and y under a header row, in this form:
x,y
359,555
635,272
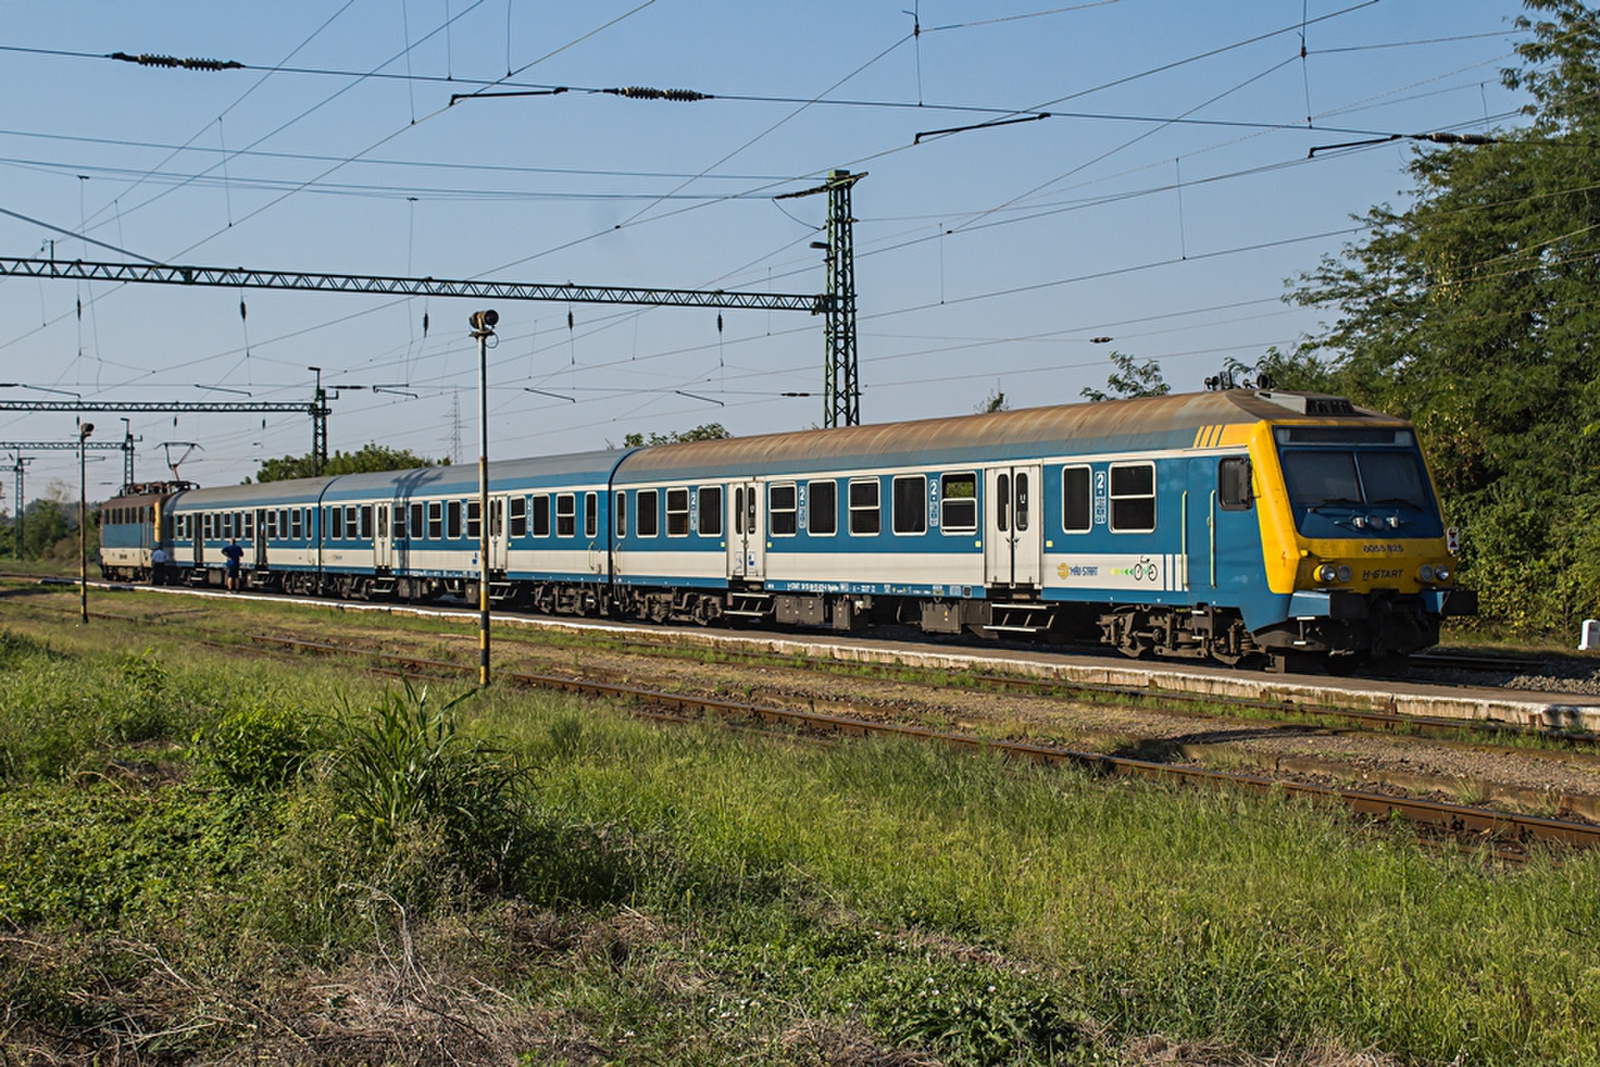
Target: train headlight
x,y
1441,573
1328,574
1425,573
1344,573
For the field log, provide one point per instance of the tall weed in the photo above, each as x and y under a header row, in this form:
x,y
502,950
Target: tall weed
x,y
405,769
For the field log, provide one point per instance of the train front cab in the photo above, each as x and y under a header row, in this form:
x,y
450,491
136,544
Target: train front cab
x,y
1353,539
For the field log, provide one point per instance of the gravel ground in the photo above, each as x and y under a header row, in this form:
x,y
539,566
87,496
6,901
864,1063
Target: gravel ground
x,y
1555,674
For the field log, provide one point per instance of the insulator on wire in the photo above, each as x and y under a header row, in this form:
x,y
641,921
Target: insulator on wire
x,y
640,92
242,314
173,62
424,324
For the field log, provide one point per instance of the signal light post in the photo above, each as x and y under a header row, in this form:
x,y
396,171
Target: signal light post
x,y
483,324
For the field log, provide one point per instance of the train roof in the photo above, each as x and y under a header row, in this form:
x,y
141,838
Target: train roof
x,y
418,481
1142,424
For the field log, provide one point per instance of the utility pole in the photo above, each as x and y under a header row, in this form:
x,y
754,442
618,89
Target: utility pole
x,y
483,324
19,464
841,404
127,453
319,425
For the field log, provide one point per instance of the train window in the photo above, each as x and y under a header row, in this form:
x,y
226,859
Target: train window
x,y
591,515
435,520
1024,498
541,515
822,511
400,527
1002,502
366,522
566,515
1075,514
910,498
649,512
272,525
352,516
519,516
622,515
738,510
452,512
958,503
497,517
1133,497
383,522
1233,484
296,524
782,512
474,527
711,511
864,517
677,513
283,522
336,528
419,527
249,524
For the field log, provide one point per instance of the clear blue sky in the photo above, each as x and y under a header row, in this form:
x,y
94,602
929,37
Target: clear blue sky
x,y
985,260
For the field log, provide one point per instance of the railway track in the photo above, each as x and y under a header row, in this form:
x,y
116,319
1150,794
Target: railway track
x,y
1201,705
1477,825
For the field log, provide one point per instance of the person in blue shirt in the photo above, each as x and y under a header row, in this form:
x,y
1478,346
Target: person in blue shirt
x,y
233,554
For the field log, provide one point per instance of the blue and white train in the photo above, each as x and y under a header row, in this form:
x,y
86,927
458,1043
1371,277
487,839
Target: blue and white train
x,y
1225,525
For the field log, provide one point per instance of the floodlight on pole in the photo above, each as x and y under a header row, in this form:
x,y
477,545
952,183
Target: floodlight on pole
x,y
483,324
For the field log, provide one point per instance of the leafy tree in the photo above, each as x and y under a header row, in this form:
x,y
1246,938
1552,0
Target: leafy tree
x,y
44,523
710,431
1130,379
998,401
370,457
1473,312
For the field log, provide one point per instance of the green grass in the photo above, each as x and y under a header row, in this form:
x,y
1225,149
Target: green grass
x,y
688,895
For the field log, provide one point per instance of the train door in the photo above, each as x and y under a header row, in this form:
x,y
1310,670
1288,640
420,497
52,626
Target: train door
x,y
197,529
383,538
1221,529
259,540
747,543
497,533
1013,543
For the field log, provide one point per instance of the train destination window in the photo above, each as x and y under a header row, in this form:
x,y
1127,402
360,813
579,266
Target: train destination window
x,y
541,515
649,512
474,528
711,511
295,527
519,516
1233,484
822,510
591,515
782,512
864,517
566,515
366,521
1076,516
452,519
435,520
910,504
677,513
622,514
958,503
1133,497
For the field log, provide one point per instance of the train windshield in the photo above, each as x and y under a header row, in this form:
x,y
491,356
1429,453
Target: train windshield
x,y
1359,477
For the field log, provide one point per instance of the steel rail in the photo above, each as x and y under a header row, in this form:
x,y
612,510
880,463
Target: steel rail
x,y
1456,819
1362,718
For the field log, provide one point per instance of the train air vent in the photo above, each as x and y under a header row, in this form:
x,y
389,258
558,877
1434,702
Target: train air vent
x,y
1309,404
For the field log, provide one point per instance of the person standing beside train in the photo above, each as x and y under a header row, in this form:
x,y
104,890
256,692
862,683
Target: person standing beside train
x,y
233,554
158,566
